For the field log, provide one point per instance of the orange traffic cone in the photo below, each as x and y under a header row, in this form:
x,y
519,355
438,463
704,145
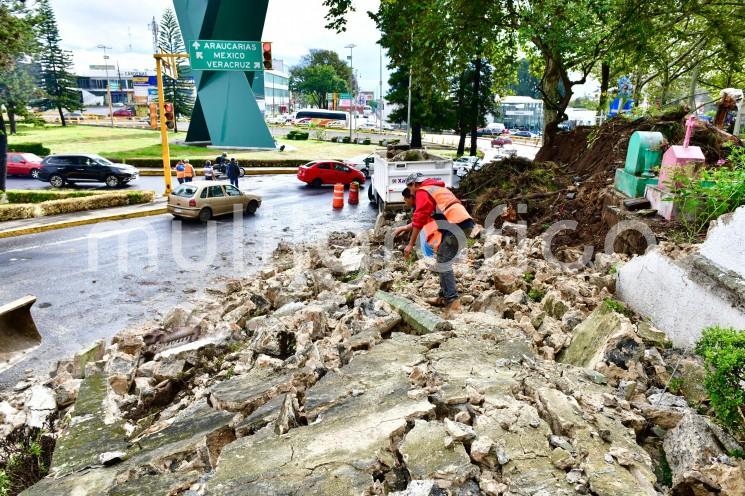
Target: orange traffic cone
x,y
338,196
354,193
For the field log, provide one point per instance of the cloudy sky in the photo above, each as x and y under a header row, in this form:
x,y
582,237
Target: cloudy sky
x,y
294,26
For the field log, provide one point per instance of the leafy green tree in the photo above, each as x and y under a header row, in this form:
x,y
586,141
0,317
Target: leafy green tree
x,y
526,82
472,116
316,83
15,40
17,89
179,91
56,63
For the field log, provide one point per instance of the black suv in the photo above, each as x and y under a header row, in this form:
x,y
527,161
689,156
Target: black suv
x,y
70,169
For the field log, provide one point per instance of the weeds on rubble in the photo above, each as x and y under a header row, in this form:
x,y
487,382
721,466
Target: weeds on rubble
x,y
529,277
536,295
25,457
613,270
618,307
676,385
665,475
723,351
736,453
230,374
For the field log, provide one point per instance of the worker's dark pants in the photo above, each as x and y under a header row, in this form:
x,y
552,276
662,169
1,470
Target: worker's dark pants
x,y
446,253
234,181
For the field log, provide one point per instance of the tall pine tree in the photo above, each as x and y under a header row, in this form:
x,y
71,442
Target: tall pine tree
x,y
56,78
178,91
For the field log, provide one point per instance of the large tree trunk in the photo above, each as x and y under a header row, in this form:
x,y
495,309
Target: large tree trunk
x,y
462,140
416,135
476,110
604,85
694,86
462,116
61,116
12,122
554,102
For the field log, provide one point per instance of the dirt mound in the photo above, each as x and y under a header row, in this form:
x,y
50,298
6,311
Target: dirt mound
x,y
573,178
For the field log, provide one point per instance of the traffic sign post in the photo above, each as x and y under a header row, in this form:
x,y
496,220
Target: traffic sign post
x,y
216,55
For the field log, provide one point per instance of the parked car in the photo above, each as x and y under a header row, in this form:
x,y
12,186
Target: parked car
x,y
388,127
368,126
338,124
362,163
123,112
524,134
320,172
24,164
305,121
59,170
75,115
463,165
204,200
501,141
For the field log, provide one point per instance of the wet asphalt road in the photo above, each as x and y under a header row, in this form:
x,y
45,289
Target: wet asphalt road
x,y
93,281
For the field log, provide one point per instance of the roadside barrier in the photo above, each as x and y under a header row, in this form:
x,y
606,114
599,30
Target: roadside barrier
x,y
354,194
338,196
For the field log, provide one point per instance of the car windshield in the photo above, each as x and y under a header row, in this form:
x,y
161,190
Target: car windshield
x,y
185,191
30,157
101,160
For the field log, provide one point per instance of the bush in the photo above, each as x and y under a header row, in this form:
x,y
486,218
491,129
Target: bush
x,y
38,196
25,458
366,141
35,148
346,139
73,203
723,351
298,135
713,193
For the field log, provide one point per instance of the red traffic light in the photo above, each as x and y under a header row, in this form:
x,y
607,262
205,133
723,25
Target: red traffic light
x,y
170,115
168,107
266,48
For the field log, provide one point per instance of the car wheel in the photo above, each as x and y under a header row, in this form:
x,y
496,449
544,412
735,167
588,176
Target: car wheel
x,y
316,183
205,214
34,173
243,172
112,181
252,207
57,181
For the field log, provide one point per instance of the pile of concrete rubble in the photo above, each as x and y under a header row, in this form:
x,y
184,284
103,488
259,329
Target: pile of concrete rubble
x,y
327,374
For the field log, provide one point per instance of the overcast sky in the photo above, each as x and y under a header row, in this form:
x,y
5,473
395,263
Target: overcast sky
x,y
294,26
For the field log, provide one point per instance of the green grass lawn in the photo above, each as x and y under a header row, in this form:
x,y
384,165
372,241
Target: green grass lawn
x,y
122,144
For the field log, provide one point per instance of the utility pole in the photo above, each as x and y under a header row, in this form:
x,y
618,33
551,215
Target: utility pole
x,y
351,48
380,94
108,82
408,111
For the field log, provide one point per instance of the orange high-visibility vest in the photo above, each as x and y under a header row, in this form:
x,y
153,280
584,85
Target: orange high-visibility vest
x,y
188,170
432,234
180,173
447,204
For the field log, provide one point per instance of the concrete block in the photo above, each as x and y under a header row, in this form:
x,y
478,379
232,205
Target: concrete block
x,y
631,185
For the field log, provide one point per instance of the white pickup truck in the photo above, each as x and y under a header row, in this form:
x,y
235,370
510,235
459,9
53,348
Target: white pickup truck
x,y
389,178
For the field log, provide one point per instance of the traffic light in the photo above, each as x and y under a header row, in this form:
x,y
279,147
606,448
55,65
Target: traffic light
x,y
266,47
170,115
154,115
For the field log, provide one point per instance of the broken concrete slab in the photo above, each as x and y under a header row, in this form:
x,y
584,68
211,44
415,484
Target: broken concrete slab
x,y
421,320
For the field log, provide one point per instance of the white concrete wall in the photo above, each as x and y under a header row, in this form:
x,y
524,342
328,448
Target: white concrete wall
x,y
725,244
657,288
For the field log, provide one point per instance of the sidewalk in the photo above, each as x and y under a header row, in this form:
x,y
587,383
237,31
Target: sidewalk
x,y
250,171
40,224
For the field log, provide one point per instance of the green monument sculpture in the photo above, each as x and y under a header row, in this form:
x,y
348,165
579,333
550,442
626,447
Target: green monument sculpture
x,y
222,36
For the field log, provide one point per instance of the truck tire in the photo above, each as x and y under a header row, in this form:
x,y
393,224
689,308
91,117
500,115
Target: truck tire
x,y
381,204
372,195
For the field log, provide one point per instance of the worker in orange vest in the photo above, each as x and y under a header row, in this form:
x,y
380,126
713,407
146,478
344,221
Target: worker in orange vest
x,y
189,172
430,237
433,201
180,172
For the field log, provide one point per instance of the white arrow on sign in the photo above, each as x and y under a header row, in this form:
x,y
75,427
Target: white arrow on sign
x,y
200,55
196,45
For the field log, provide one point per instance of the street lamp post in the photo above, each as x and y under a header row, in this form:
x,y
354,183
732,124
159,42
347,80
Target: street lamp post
x,y
351,48
108,83
380,93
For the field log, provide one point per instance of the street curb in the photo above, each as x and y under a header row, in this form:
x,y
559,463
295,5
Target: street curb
x,y
12,233
252,172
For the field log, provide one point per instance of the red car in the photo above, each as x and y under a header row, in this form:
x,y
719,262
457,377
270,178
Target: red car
x,y
124,112
24,164
501,141
322,172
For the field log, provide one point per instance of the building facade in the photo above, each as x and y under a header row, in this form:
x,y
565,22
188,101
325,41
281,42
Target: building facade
x,y
521,112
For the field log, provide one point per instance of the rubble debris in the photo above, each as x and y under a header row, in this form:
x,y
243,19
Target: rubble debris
x,y
306,382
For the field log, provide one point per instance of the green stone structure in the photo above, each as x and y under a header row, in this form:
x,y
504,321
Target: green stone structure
x,y
226,113
643,156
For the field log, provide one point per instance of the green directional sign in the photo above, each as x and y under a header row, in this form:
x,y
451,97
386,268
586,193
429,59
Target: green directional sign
x,y
345,96
219,55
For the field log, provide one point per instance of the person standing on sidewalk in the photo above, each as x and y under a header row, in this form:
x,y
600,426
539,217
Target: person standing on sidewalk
x,y
189,171
433,201
209,172
180,172
233,172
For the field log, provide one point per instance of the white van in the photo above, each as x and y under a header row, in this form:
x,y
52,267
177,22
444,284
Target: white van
x,y
495,127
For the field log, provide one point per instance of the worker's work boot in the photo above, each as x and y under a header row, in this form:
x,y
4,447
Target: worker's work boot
x,y
452,310
436,302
